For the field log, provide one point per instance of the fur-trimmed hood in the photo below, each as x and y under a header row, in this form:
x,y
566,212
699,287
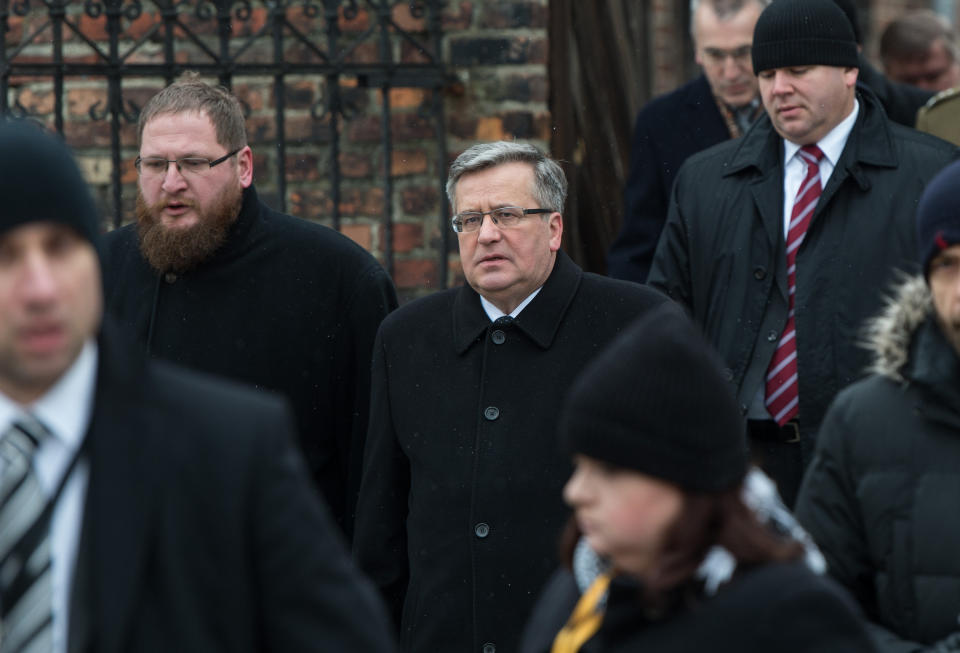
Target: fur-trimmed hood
x,y
889,335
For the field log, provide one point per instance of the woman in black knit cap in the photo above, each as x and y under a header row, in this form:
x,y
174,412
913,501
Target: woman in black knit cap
x,y
674,546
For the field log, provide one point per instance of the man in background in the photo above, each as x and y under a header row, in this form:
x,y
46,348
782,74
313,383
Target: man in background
x,y
720,104
920,48
213,279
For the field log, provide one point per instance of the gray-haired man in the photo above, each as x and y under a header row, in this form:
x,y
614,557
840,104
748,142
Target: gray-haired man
x,y
460,506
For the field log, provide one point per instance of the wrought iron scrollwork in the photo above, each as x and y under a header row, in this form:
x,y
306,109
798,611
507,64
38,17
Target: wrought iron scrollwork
x,y
21,7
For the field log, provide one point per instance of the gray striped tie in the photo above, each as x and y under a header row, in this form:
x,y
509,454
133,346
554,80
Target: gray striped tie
x,y
25,592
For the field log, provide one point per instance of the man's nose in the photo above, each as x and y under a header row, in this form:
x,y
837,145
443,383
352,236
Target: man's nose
x,y
488,231
172,178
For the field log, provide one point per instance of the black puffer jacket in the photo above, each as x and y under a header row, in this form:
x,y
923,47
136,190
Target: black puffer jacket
x,y
882,494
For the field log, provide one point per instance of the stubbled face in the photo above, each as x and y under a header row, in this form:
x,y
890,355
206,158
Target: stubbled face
x,y
937,71
182,218
723,51
625,515
506,265
806,102
50,304
944,278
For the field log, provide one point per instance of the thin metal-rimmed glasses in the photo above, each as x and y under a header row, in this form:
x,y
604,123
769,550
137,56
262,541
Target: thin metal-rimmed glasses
x,y
156,166
504,217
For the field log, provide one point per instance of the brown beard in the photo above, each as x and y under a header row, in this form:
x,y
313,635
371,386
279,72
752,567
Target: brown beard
x,y
179,250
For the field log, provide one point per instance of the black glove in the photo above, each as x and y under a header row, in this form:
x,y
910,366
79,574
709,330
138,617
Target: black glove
x,y
947,644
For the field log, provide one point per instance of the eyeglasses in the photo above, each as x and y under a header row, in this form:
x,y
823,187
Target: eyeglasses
x,y
504,217
156,166
739,55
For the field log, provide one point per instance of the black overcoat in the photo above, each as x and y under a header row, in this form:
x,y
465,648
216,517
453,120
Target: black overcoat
x,y
201,530
668,130
782,608
286,305
722,253
881,494
460,507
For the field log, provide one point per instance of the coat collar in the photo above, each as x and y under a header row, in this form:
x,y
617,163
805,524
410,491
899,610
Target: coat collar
x,y
759,153
237,240
540,320
123,478
870,143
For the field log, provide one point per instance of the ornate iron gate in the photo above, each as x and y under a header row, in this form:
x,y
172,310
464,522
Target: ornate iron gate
x,y
344,57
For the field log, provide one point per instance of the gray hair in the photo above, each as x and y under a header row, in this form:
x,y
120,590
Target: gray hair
x,y
724,9
911,35
549,182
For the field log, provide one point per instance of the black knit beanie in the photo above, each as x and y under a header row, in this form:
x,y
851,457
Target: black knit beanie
x,y
655,401
40,181
938,215
849,8
803,33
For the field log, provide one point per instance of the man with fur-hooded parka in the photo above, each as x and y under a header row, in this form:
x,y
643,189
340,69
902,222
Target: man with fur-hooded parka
x,y
882,493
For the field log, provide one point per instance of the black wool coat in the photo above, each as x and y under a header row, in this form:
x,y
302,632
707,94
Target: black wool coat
x,y
667,131
782,608
285,305
202,532
881,495
722,253
460,507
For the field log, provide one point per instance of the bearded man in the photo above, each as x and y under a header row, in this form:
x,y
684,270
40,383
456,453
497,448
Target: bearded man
x,y
213,279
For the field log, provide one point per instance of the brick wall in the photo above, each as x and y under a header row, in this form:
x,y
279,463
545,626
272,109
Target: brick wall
x,y
496,51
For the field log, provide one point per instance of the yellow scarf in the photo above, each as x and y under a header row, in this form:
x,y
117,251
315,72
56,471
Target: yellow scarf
x,y
585,620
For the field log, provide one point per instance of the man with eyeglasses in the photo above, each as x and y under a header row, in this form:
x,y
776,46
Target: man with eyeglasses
x,y
460,503
718,105
210,277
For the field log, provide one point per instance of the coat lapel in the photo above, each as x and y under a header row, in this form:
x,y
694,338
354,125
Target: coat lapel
x,y
122,484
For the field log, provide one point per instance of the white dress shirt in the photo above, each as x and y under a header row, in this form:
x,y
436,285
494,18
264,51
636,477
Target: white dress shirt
x,y
65,411
795,170
495,313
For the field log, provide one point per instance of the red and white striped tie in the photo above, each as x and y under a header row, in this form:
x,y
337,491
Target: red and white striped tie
x,y
782,392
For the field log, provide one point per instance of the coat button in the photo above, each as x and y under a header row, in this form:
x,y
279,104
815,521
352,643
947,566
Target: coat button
x,y
772,336
728,374
491,413
759,273
743,409
170,277
498,337
482,530
489,648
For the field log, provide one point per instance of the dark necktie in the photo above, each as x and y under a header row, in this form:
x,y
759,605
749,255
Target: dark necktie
x,y
26,618
782,392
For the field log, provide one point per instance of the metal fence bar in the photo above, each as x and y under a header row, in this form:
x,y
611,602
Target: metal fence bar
x,y
206,27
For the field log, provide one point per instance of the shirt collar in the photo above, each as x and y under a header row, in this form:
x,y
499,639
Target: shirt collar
x,y
495,313
833,143
66,407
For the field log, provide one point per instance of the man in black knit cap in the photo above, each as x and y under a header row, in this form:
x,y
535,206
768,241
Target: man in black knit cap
x,y
782,243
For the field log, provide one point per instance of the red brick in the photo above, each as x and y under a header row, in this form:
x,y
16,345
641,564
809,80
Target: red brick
x,y
310,203
407,236
489,129
37,101
408,162
80,100
420,200
256,21
357,23
366,52
87,133
356,165
364,129
407,98
302,167
250,95
405,20
358,233
361,201
410,53
415,273
261,129
408,126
